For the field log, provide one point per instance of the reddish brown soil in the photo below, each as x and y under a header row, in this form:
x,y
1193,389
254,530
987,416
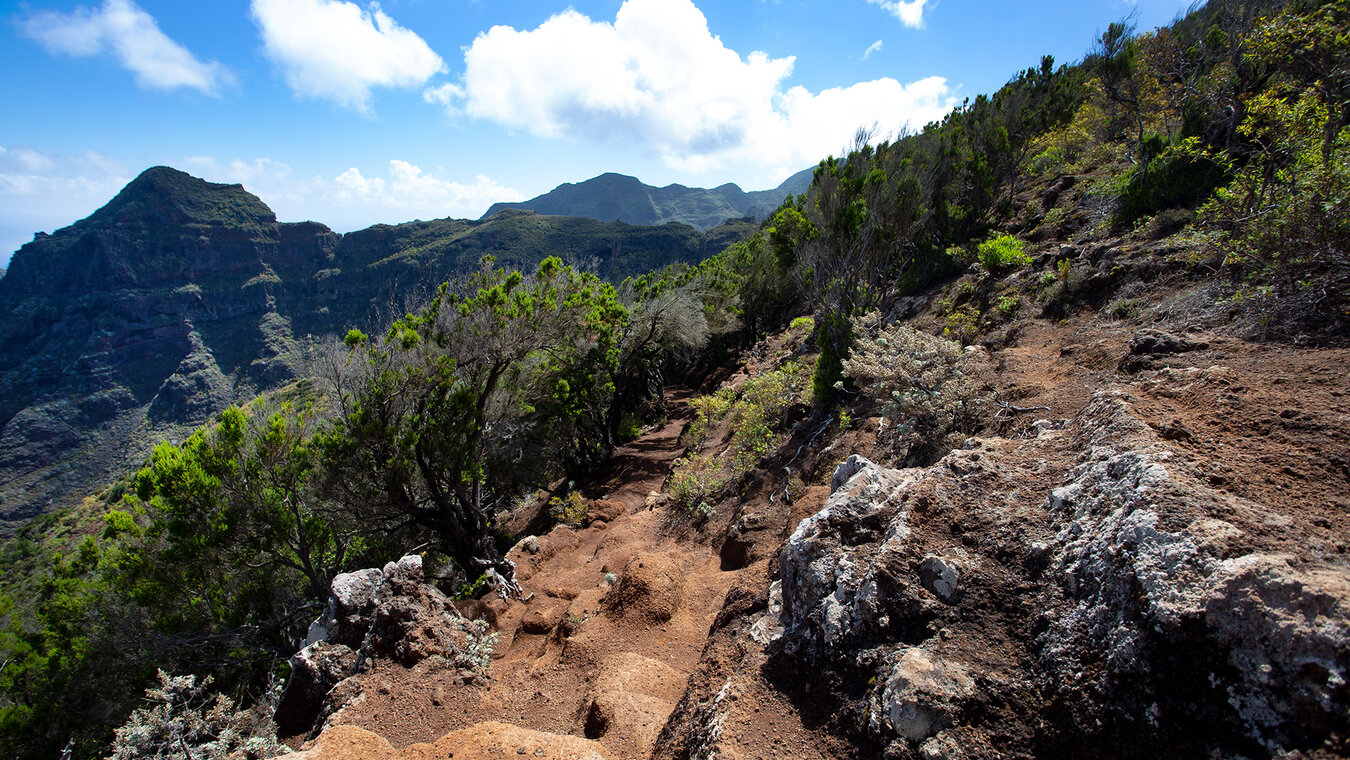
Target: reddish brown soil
x,y
1268,422
581,657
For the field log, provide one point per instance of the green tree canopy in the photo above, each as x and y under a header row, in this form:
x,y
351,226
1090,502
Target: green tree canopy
x,y
473,398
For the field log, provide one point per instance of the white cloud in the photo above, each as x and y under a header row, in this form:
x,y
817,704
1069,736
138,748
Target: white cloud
x,y
352,200
407,187
874,47
45,191
26,171
909,12
659,78
122,28
335,50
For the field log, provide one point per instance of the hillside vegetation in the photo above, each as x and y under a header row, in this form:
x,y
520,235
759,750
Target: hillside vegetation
x,y
1198,173
180,297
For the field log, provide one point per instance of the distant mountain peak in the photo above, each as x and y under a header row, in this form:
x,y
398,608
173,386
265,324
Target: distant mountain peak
x,y
163,192
619,197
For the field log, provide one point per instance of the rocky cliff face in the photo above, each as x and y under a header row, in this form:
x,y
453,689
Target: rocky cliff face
x,y
139,320
181,296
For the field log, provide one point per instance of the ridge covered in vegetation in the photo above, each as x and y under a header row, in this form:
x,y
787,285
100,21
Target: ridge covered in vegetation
x,y
1218,145
617,197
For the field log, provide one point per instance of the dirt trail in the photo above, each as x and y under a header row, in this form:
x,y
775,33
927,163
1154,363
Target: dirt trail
x,y
614,619
632,620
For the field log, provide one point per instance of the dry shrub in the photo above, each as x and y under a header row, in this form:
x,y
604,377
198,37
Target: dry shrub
x,y
923,384
186,722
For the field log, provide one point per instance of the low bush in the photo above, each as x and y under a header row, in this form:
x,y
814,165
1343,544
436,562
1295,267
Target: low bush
x,y
755,417
696,478
572,509
923,385
962,325
1008,306
1002,252
186,722
630,427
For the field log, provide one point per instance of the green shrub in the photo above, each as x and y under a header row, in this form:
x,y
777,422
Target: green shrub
x,y
696,478
1052,219
1123,308
1002,252
802,326
963,325
1008,306
1174,176
572,509
754,416
630,426
1168,222
829,368
708,411
759,411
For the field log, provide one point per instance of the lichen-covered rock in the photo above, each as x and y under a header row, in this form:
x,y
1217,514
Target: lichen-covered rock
x,y
1127,601
348,616
940,575
921,696
315,671
390,613
843,570
1280,627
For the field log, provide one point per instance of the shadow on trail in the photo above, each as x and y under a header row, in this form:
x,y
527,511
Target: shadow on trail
x,y
639,467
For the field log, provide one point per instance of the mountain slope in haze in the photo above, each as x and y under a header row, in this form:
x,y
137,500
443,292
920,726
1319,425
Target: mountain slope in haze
x,y
182,296
618,197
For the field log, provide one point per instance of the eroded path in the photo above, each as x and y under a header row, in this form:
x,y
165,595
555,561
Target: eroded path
x,y
614,619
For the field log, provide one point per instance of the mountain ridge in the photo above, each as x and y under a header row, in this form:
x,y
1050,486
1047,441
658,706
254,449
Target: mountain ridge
x,y
619,197
180,296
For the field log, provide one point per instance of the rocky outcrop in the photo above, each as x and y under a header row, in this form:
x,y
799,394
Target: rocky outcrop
x,y
390,614
1151,572
1144,617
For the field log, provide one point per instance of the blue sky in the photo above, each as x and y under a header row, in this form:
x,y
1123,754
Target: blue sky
x,y
356,113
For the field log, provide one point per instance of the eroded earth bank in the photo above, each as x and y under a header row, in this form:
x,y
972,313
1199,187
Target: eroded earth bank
x,y
1143,556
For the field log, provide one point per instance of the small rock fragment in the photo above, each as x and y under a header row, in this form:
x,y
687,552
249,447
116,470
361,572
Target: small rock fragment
x,y
940,576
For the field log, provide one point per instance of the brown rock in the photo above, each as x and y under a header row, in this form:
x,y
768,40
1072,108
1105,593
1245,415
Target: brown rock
x,y
649,589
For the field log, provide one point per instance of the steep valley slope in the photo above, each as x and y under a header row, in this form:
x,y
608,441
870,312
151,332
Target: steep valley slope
x,y
180,297
1144,556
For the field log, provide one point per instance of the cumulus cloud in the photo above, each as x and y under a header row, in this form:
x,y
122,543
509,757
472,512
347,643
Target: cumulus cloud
x,y
352,200
407,187
659,78
122,28
909,12
336,50
41,190
26,171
